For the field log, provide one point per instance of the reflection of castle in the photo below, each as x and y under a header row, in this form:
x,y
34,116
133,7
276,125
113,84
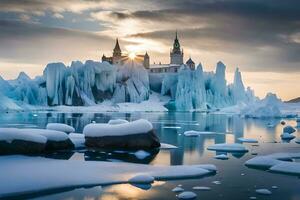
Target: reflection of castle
x,y
176,59
118,58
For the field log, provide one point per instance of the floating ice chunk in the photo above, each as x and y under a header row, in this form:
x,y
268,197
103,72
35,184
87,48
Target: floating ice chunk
x,y
202,188
117,121
142,179
193,133
248,140
221,157
274,187
228,147
178,189
287,136
167,146
252,198
60,127
77,139
141,154
208,167
217,182
297,140
187,195
263,191
279,162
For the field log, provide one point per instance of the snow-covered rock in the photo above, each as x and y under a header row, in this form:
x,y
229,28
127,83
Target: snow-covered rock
x,y
138,134
60,127
228,147
77,139
117,121
15,141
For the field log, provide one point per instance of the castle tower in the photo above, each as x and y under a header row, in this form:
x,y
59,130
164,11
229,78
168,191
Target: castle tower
x,y
146,61
176,55
117,54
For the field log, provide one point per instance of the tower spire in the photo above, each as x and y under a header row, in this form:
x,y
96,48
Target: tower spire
x,y
176,34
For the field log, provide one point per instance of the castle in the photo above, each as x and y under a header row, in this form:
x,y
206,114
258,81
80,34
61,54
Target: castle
x,y
176,59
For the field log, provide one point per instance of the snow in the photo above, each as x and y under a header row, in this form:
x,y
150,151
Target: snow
x,y
60,127
187,195
177,189
289,129
47,174
142,179
202,188
221,157
117,121
51,135
263,191
228,147
77,139
287,136
135,127
10,134
193,133
141,154
278,162
248,140
167,146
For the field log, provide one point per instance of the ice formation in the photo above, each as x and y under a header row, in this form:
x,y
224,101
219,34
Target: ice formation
x,y
112,86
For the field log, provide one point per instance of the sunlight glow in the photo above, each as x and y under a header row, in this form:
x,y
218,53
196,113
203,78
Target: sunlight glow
x,y
132,55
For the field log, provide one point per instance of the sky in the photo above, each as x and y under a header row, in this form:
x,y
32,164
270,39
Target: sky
x,y
262,38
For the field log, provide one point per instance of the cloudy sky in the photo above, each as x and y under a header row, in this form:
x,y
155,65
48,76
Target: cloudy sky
x,y
262,38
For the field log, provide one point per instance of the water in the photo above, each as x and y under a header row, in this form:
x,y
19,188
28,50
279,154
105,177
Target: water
x,y
237,180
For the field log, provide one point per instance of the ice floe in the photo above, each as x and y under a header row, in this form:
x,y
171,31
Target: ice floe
x,y
193,133
221,157
142,179
187,195
50,174
202,188
60,127
224,147
263,191
167,146
248,140
278,162
177,189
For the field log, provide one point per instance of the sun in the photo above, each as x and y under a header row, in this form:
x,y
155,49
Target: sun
x,y
132,55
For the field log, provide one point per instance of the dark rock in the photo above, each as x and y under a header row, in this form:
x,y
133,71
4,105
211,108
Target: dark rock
x,y
59,145
147,140
21,147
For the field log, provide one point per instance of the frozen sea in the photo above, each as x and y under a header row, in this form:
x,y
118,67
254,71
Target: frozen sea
x,y
233,179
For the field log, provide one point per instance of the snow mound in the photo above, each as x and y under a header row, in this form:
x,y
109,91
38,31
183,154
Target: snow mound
x,y
10,134
78,173
117,121
228,147
187,195
279,162
248,140
78,140
130,128
60,127
51,135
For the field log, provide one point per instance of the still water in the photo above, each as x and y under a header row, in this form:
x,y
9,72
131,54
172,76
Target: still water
x,y
236,181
